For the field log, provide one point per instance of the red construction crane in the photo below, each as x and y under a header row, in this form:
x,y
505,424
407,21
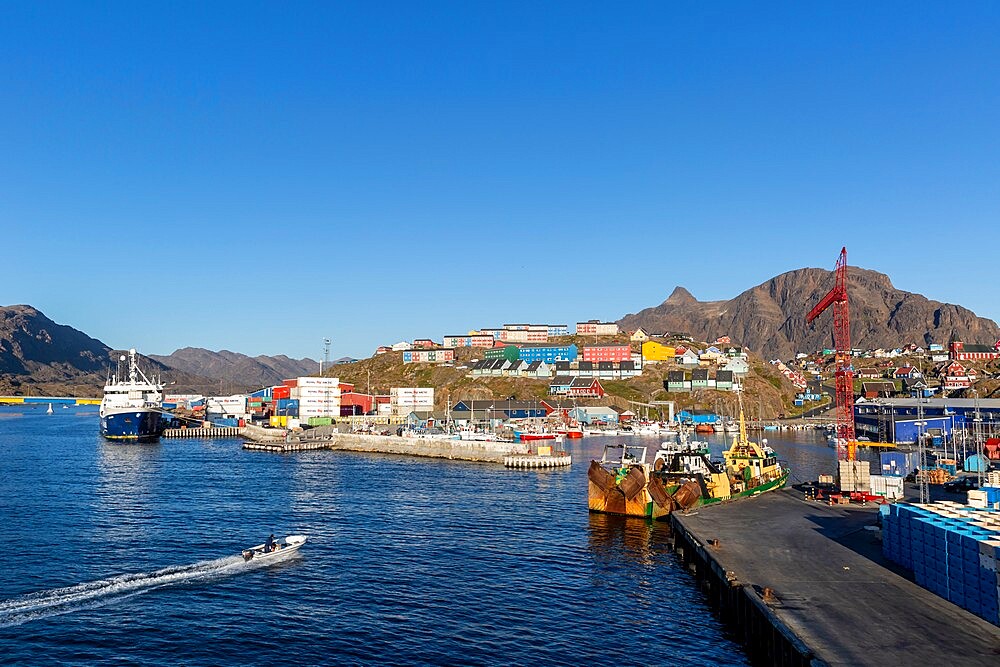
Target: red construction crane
x,y
844,375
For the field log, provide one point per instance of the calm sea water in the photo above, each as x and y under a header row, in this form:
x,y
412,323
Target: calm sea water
x,y
128,554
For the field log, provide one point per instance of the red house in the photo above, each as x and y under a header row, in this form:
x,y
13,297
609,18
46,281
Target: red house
x,y
962,352
954,376
586,387
425,343
615,353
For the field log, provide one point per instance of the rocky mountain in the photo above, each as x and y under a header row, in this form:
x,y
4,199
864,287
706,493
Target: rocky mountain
x,y
771,317
38,356
238,370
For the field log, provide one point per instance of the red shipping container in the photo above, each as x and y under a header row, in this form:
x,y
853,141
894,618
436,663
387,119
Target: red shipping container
x,y
281,391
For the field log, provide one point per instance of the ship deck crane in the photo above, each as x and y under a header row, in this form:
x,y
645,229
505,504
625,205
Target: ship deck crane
x,y
844,373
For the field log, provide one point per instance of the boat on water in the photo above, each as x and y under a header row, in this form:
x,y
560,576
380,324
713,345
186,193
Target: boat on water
x,y
283,546
49,411
470,434
132,406
681,475
529,436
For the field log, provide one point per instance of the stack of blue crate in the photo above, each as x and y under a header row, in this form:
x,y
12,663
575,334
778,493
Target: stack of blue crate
x,y
952,549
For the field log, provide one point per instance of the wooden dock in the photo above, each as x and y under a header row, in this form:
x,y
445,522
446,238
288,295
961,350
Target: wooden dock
x,y
804,583
201,432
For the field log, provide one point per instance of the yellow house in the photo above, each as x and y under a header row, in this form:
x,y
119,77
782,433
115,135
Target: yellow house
x,y
653,352
639,336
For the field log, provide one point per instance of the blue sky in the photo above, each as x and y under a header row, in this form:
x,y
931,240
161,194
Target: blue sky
x,y
257,177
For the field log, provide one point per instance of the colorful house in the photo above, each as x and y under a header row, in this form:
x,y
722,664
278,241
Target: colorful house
x,y
639,336
654,352
596,328
550,354
508,352
962,352
954,376
428,356
597,353
586,387
676,382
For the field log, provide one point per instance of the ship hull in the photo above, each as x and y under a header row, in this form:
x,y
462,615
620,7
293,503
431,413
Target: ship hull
x,y
134,424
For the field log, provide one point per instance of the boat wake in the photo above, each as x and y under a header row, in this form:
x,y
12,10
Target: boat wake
x,y
93,594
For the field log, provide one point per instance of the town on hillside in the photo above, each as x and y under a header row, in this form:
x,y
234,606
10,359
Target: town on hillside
x,y
592,374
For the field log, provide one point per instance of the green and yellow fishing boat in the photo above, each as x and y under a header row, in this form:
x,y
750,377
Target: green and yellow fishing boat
x,y
681,476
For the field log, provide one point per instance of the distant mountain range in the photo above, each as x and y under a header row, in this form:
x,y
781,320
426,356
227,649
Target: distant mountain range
x,y
238,369
42,357
38,356
770,318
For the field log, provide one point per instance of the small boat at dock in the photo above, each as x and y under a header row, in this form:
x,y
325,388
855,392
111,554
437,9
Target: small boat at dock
x,y
283,546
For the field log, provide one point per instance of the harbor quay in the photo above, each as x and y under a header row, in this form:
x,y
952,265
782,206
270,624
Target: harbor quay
x,y
329,439
805,583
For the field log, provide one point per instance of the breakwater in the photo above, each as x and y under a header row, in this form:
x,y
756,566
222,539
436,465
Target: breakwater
x,y
461,450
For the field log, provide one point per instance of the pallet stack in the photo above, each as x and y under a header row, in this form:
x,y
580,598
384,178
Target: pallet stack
x,y
952,549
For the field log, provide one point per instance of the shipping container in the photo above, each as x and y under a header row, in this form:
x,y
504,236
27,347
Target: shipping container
x,y
886,486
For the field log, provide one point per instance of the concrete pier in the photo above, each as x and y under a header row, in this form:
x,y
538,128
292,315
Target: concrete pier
x,y
804,583
460,450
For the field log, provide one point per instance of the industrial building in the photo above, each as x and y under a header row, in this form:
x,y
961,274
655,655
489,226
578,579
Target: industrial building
x,y
898,419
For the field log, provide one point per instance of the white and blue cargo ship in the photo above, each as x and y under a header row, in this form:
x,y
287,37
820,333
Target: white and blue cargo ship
x,y
132,407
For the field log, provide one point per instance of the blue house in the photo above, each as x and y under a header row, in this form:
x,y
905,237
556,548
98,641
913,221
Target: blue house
x,y
550,354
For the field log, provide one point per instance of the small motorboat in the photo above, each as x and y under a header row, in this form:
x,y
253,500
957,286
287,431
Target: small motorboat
x,y
282,547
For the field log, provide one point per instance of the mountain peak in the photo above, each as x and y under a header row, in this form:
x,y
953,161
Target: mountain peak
x,y
680,296
770,318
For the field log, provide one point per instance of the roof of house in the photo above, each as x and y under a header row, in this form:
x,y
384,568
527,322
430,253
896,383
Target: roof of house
x,y
878,387
977,348
585,366
534,366
605,365
561,381
675,376
699,374
584,381
724,376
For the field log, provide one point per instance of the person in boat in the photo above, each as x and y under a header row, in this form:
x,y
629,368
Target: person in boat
x,y
269,545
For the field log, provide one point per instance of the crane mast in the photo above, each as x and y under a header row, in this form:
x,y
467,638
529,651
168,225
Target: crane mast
x,y
844,373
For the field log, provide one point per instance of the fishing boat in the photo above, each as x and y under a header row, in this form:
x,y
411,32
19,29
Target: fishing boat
x,y
282,547
132,406
681,476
